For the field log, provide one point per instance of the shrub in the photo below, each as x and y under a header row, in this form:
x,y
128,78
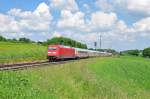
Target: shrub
x,y
130,52
146,52
26,40
2,38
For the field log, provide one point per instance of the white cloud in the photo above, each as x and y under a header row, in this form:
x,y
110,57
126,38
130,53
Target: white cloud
x,y
71,20
139,6
142,26
38,20
120,25
132,7
76,21
7,24
103,20
70,5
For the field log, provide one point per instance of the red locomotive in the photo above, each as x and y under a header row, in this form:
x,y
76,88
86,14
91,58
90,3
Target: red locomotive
x,y
61,52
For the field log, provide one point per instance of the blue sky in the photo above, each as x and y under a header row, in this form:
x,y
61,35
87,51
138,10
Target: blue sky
x,y
6,5
124,24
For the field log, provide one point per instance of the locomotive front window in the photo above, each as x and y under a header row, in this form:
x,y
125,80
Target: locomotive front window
x,y
52,48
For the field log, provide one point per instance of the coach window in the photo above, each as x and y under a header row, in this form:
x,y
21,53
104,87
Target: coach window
x,y
51,48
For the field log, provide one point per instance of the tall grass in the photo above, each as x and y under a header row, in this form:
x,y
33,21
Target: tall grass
x,y
124,77
18,52
95,78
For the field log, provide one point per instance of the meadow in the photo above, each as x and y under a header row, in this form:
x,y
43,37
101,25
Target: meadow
x,y
93,78
21,52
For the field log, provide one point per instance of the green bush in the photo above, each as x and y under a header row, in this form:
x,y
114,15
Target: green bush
x,y
2,38
131,52
26,40
146,52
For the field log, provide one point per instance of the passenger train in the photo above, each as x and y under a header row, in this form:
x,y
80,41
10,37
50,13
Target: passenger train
x,y
61,52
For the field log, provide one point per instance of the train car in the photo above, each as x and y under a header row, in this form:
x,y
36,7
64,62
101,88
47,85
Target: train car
x,y
81,53
105,54
84,53
60,52
93,53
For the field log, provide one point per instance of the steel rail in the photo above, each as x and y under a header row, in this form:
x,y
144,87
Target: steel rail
x,y
29,65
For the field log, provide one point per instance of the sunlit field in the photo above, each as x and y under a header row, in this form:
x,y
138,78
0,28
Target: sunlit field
x,y
21,52
94,78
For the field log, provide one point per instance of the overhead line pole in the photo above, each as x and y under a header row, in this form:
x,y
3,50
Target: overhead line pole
x,y
100,42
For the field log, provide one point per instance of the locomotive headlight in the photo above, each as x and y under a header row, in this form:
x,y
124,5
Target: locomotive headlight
x,y
49,52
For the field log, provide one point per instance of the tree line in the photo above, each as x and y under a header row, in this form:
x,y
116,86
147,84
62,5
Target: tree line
x,y
55,40
65,41
136,52
21,40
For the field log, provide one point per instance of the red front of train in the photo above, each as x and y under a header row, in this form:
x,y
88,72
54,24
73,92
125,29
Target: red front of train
x,y
59,52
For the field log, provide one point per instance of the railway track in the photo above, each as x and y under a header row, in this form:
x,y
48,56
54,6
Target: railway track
x,y
29,65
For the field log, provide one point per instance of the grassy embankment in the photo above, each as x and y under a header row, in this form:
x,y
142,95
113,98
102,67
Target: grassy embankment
x,y
21,52
95,78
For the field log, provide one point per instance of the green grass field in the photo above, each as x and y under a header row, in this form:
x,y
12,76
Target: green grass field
x,y
94,78
21,52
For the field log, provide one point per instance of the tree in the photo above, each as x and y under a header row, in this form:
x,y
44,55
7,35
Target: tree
x,y
2,38
146,52
65,41
134,52
26,40
12,40
131,52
